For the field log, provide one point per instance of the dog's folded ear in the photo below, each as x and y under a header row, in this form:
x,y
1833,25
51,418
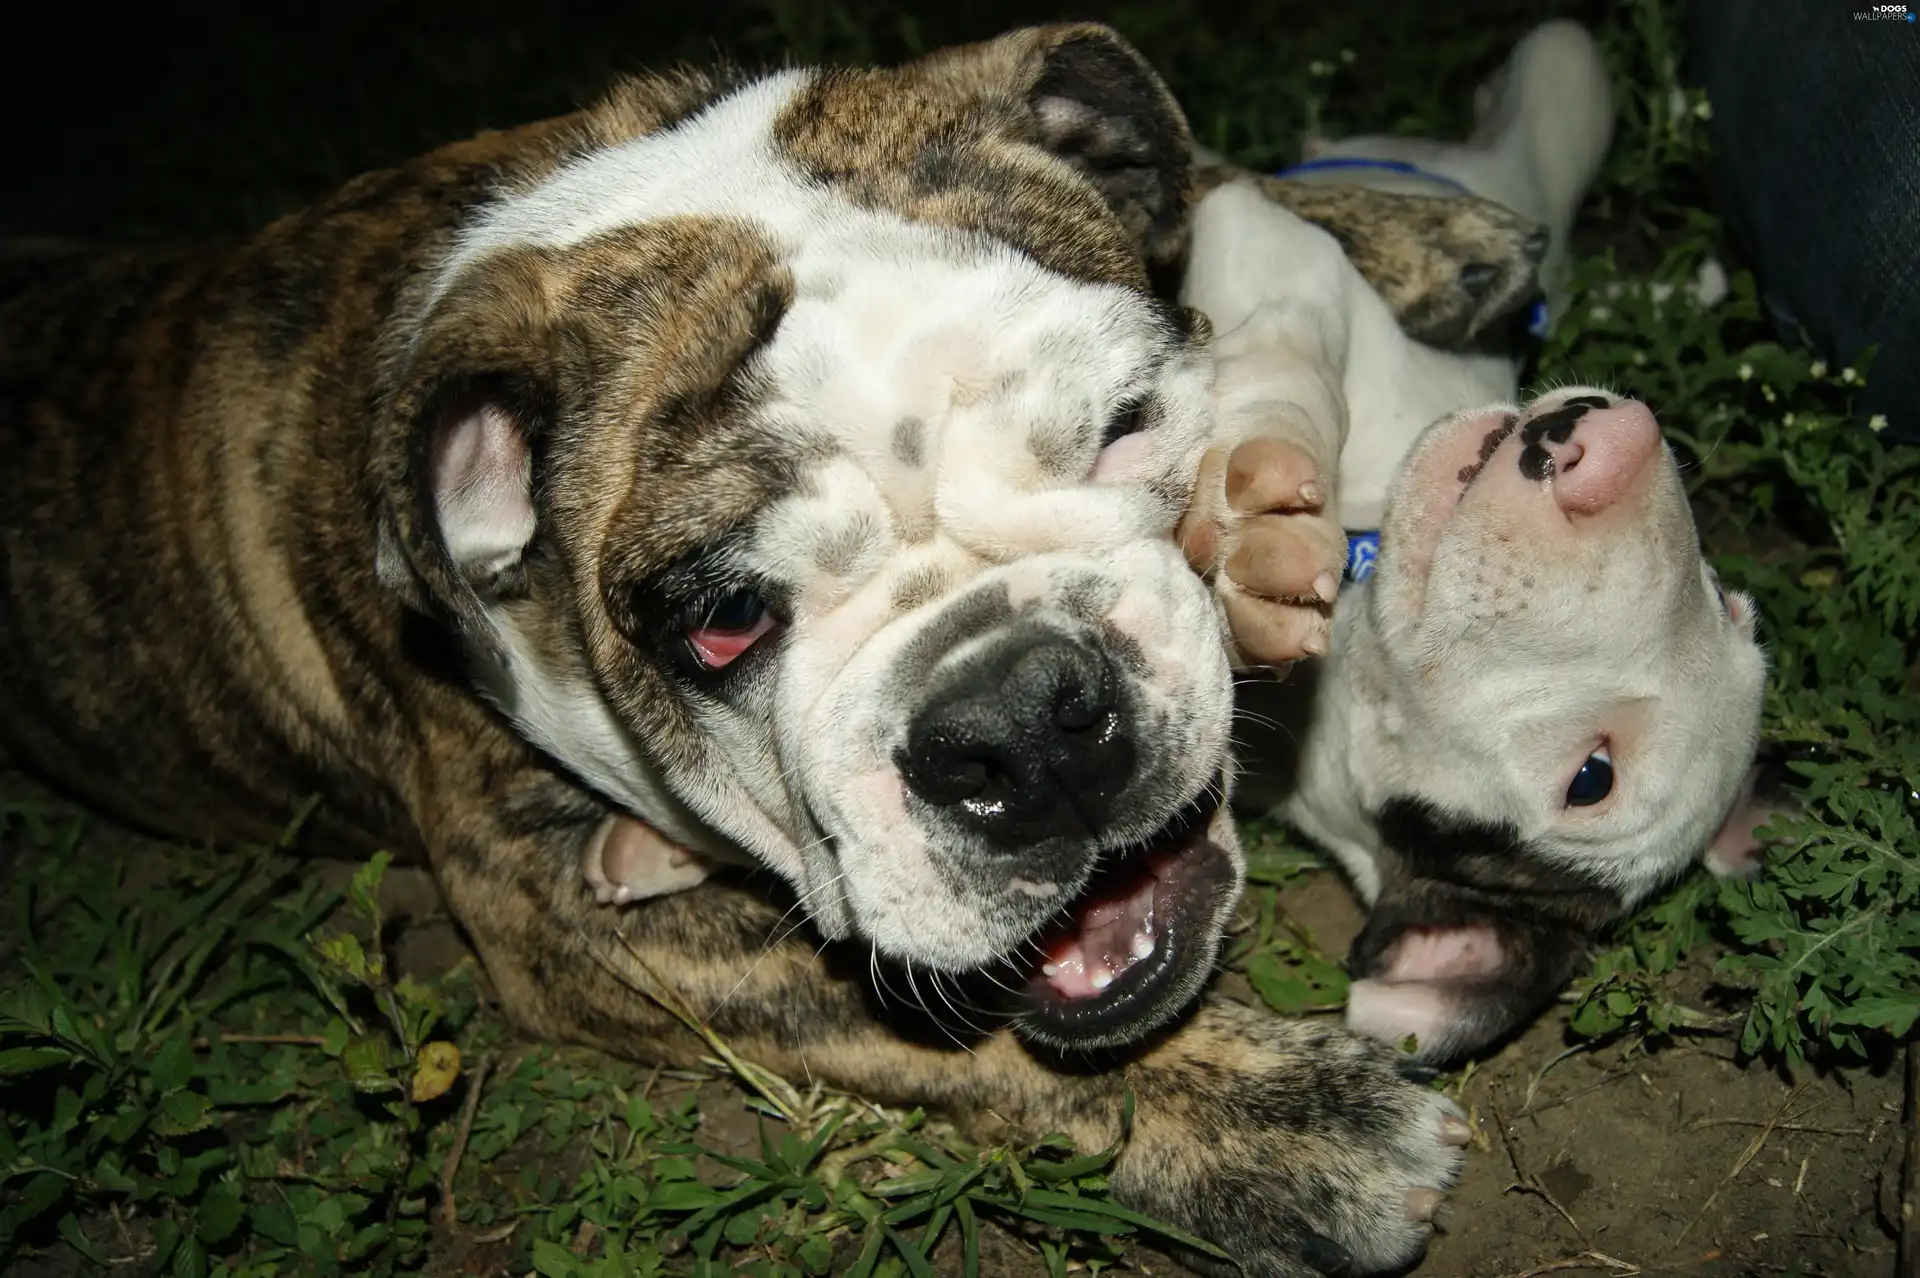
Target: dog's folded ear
x,y
1456,971
457,503
1101,106
459,524
1093,100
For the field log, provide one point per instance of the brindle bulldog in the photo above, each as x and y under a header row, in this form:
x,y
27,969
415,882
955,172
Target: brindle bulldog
x,y
792,462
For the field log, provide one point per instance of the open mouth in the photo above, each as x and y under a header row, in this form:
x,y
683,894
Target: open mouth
x,y
1138,942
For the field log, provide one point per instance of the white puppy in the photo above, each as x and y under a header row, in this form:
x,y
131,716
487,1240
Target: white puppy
x,y
1541,706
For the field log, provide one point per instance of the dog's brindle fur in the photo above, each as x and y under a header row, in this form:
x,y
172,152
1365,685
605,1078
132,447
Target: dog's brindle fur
x,y
202,444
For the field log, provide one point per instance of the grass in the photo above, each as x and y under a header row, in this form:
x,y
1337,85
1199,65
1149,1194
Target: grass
x,y
217,1065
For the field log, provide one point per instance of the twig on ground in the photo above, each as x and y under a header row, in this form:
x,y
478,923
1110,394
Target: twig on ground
x,y
447,1213
1778,1127
1910,1178
1589,1260
135,1254
1747,1155
1534,1081
781,1095
1526,1182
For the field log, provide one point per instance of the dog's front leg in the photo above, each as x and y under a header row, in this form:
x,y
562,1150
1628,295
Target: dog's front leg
x,y
1265,519
1300,1149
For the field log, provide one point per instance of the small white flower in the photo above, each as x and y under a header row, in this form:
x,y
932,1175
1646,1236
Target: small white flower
x,y
1639,357
1348,56
1877,422
1746,372
1601,312
1703,109
1317,67
1848,376
1819,368
1766,391
1787,420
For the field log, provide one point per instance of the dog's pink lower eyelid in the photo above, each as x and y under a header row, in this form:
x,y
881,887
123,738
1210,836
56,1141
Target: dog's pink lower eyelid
x,y
718,649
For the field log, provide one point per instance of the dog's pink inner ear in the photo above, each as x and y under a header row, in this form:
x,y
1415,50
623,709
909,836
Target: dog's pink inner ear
x,y
1736,850
481,470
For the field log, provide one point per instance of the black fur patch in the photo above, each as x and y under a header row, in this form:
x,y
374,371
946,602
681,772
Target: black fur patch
x,y
1454,871
1555,426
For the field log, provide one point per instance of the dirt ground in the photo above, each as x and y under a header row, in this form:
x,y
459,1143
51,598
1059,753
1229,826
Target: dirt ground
x,y
1617,1160
1679,1160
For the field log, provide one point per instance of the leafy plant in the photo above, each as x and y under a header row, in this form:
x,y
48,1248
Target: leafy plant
x,y
1817,518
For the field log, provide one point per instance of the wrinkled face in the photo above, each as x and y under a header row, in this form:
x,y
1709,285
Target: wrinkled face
x,y
835,515
1569,705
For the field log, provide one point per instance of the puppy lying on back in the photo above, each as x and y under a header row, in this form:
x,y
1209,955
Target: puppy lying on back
x,y
1541,706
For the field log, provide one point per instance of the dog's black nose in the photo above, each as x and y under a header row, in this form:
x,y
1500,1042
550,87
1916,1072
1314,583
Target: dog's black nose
x,y
1031,744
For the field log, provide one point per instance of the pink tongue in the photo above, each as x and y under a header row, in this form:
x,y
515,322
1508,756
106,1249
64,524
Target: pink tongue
x,y
1114,934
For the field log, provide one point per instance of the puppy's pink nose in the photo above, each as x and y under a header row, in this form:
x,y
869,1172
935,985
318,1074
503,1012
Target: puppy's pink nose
x,y
1600,461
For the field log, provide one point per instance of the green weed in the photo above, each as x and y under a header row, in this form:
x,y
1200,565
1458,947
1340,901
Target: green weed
x,y
221,1071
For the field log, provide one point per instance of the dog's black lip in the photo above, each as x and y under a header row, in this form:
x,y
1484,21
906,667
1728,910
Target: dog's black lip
x,y
1136,1003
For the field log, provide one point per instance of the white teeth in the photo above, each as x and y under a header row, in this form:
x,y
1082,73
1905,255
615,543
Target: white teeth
x,y
1142,945
1050,969
1100,978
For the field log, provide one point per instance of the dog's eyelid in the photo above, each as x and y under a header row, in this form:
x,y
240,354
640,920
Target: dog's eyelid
x,y
1134,412
1722,594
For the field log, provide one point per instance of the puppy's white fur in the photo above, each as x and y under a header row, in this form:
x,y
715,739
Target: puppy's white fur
x,y
1494,646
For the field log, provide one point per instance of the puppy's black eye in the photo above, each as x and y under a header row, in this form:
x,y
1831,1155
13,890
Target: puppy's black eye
x,y
1593,782
1128,419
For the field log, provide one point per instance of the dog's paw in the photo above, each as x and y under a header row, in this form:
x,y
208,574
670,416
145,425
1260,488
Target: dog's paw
x,y
628,860
1449,267
1301,1150
1265,536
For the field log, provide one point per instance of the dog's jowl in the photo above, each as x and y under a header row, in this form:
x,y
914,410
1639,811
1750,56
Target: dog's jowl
x,y
791,462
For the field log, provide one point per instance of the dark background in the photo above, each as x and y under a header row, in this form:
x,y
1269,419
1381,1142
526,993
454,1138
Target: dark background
x,y
168,120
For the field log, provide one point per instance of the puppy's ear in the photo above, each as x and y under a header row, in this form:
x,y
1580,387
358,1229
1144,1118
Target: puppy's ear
x,y
1736,851
458,443
1454,971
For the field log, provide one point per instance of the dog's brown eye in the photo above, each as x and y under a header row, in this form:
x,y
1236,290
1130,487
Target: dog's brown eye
x,y
1128,419
723,628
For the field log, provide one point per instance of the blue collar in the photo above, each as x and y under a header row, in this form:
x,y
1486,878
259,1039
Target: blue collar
x,y
1332,162
1363,552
